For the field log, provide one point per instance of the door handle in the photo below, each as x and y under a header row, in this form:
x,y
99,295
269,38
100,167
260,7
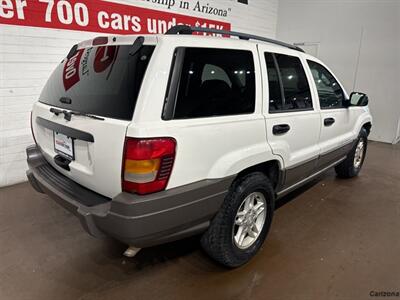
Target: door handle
x,y
329,122
280,129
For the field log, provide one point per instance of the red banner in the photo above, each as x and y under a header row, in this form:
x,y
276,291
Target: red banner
x,y
96,16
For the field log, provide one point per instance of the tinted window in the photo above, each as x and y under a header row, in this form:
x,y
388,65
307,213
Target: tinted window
x,y
287,76
212,72
102,81
215,82
295,84
276,99
329,91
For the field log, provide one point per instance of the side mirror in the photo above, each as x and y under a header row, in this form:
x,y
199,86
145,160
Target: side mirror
x,y
358,99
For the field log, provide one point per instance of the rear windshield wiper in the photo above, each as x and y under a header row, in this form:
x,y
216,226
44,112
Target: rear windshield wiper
x,y
68,114
136,46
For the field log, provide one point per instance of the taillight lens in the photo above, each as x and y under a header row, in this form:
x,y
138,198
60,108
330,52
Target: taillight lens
x,y
147,164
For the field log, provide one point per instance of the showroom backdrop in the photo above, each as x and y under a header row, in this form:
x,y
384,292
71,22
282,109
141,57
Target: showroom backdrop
x,y
35,36
360,41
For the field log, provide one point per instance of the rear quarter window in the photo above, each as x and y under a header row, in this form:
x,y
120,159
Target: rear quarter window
x,y
215,82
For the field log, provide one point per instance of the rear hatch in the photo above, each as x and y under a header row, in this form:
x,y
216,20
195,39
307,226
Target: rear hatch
x,y
100,86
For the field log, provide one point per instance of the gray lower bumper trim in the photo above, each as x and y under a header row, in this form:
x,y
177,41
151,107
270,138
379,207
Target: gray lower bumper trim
x,y
140,221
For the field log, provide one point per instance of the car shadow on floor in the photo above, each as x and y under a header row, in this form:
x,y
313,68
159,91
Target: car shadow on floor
x,y
296,193
189,246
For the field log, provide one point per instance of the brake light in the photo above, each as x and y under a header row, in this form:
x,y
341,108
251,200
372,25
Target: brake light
x,y
33,135
100,40
147,164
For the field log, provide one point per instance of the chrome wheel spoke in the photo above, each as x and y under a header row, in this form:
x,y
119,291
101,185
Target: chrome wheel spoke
x,y
241,213
255,229
253,232
240,218
241,235
359,154
249,203
238,233
249,220
259,208
239,221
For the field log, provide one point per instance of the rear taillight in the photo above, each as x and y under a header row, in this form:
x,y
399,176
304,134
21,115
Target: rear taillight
x,y
33,134
147,164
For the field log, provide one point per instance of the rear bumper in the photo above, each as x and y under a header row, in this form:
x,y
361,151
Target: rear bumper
x,y
139,221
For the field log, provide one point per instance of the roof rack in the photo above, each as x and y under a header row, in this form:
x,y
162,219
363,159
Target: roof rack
x,y
183,29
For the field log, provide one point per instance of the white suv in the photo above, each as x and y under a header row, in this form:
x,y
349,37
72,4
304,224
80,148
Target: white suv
x,y
150,139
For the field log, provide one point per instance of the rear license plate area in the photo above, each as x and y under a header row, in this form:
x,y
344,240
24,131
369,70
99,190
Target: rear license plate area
x,y
64,145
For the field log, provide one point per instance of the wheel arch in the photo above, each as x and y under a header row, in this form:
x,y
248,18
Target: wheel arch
x,y
272,169
367,126
364,121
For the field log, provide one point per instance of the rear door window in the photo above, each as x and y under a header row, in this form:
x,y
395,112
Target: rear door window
x,y
215,82
102,81
288,84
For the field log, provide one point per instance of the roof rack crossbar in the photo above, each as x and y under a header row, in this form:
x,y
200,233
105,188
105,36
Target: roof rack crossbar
x,y
183,29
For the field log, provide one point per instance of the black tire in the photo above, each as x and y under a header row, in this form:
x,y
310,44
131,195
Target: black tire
x,y
347,168
218,241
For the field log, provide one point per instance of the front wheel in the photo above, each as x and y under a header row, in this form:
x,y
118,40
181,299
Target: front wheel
x,y
240,227
352,165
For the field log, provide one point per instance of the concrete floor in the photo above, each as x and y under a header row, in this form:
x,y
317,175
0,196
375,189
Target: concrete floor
x,y
334,239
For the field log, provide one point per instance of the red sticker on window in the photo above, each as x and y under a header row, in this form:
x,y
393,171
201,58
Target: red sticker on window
x,y
105,56
71,70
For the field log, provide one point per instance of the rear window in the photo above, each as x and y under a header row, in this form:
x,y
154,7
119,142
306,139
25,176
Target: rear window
x,y
102,81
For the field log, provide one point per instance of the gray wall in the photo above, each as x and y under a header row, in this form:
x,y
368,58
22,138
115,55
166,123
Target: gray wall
x,y
360,41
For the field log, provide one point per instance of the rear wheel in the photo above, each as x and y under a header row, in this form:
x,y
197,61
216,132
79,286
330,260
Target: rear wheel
x,y
352,165
240,227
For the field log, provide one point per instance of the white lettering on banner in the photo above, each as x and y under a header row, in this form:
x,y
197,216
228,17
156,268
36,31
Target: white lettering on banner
x,y
81,14
159,26
119,22
6,9
64,12
50,4
104,16
20,4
